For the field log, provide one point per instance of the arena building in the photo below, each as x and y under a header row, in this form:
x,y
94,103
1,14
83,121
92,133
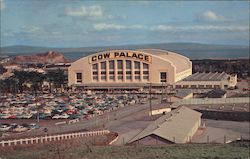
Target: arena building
x,y
128,69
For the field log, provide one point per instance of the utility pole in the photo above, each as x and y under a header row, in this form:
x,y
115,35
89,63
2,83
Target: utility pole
x,y
38,111
150,98
161,92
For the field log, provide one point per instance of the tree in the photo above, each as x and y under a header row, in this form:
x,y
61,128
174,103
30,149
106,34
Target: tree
x,y
8,85
22,77
57,78
36,80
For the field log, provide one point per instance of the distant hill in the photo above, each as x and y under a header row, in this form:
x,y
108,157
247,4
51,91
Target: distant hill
x,y
45,58
192,50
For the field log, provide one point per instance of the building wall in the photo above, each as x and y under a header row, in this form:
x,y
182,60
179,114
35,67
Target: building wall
x,y
201,84
156,65
193,130
183,74
230,81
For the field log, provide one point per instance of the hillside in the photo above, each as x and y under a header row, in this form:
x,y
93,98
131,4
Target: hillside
x,y
79,150
190,50
45,58
21,49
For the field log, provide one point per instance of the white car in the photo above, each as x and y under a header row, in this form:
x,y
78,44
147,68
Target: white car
x,y
63,116
26,116
57,116
5,127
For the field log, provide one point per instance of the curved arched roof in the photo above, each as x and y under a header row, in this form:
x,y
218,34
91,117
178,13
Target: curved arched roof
x,y
181,63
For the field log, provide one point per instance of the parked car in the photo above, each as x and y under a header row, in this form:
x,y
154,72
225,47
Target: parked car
x,y
33,126
4,127
13,125
56,116
75,116
20,128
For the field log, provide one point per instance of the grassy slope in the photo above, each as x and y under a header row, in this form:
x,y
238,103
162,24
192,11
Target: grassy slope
x,y
67,151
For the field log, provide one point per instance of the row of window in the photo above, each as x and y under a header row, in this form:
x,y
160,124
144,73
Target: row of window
x,y
120,70
122,74
128,65
163,78
197,86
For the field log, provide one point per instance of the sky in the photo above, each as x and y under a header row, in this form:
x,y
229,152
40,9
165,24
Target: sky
x,y
76,23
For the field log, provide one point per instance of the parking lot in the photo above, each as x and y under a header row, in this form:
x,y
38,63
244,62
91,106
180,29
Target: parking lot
x,y
124,113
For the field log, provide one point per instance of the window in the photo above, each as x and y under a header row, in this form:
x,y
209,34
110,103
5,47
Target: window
x,y
119,64
103,65
145,66
111,64
112,72
208,86
128,72
111,77
193,86
137,72
137,77
95,72
95,78
128,77
201,86
79,77
163,76
137,65
128,64
177,86
216,86
103,77
95,66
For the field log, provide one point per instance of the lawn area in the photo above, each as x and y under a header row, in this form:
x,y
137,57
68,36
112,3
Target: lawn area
x,y
83,150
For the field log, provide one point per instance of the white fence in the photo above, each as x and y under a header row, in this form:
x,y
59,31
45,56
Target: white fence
x,y
43,139
202,101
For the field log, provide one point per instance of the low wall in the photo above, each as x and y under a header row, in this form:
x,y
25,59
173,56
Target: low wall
x,y
50,138
204,101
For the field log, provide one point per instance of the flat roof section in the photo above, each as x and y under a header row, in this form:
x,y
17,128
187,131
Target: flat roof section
x,y
211,76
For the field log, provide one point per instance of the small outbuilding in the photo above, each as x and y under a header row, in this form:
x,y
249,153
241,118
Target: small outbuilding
x,y
177,126
215,93
182,94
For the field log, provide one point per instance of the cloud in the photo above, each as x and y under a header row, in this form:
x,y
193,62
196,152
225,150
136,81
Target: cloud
x,y
2,5
209,16
105,26
31,29
168,28
195,28
90,12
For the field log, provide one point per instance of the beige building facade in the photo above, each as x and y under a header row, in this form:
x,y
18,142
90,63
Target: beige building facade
x,y
129,68
208,81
